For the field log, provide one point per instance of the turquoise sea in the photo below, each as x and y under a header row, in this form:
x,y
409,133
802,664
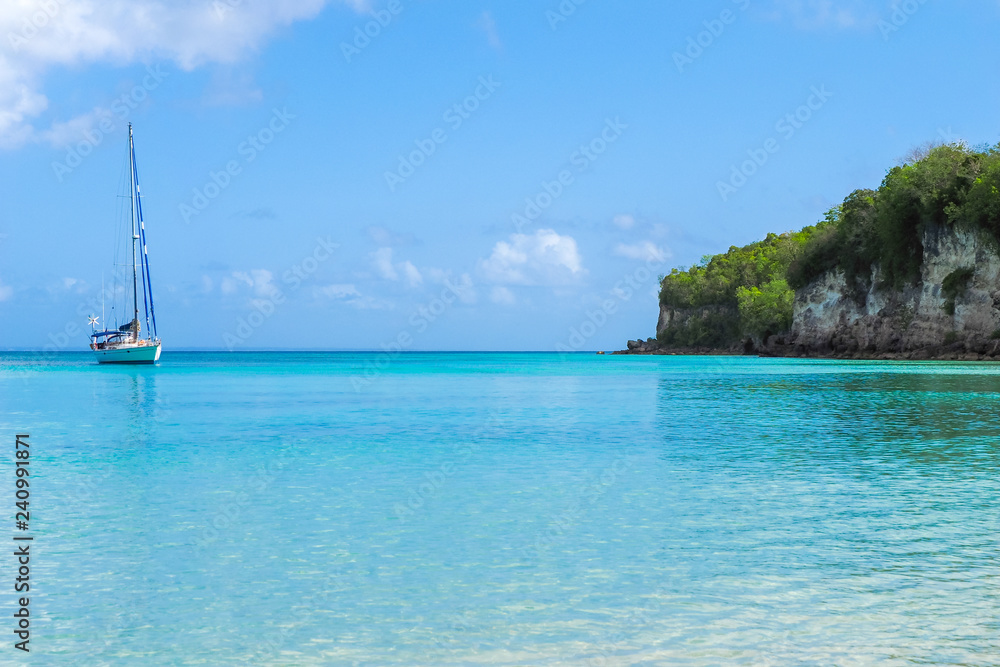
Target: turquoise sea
x,y
505,509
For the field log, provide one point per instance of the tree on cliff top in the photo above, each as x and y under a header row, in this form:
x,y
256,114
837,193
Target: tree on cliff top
x,y
950,185
711,291
748,291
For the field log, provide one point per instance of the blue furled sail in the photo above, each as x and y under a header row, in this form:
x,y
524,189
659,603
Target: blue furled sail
x,y
147,284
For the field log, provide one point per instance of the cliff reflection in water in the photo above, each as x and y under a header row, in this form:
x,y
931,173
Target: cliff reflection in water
x,y
843,415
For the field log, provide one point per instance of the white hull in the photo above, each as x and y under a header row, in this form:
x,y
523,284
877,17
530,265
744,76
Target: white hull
x,y
129,354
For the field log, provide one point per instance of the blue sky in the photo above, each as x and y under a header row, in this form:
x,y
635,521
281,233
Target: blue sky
x,y
474,176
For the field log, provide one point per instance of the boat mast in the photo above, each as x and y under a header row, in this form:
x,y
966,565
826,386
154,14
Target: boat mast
x,y
135,280
147,281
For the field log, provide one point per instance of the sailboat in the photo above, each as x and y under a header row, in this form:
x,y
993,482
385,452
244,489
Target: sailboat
x,y
126,344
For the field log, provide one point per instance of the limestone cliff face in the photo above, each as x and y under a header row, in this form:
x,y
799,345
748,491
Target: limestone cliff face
x,y
830,317
683,317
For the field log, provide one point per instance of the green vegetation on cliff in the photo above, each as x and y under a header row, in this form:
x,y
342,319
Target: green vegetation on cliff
x,y
941,187
743,292
748,292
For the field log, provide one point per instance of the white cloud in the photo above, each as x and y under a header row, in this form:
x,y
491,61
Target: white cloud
x,y
502,296
339,291
489,26
461,286
386,269
360,6
813,14
231,88
437,276
542,258
6,291
624,221
464,288
382,261
260,281
37,36
263,282
643,251
67,132
74,285
370,303
386,237
413,277
18,102
348,294
231,283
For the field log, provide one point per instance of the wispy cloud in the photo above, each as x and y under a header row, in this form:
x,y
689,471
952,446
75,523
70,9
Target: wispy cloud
x,y
624,221
382,262
231,88
259,281
75,285
338,291
411,274
819,14
502,296
348,295
386,237
260,213
644,251
488,25
75,33
360,6
370,303
64,133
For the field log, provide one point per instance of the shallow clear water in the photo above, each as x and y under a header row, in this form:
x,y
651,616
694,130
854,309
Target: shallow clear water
x,y
507,509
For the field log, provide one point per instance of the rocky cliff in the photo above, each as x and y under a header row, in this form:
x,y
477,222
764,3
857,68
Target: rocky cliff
x,y
687,317
714,323
910,269
953,309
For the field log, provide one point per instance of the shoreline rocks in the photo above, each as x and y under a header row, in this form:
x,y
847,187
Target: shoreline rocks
x,y
954,352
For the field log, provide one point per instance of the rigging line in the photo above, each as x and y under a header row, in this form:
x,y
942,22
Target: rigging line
x,y
118,239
